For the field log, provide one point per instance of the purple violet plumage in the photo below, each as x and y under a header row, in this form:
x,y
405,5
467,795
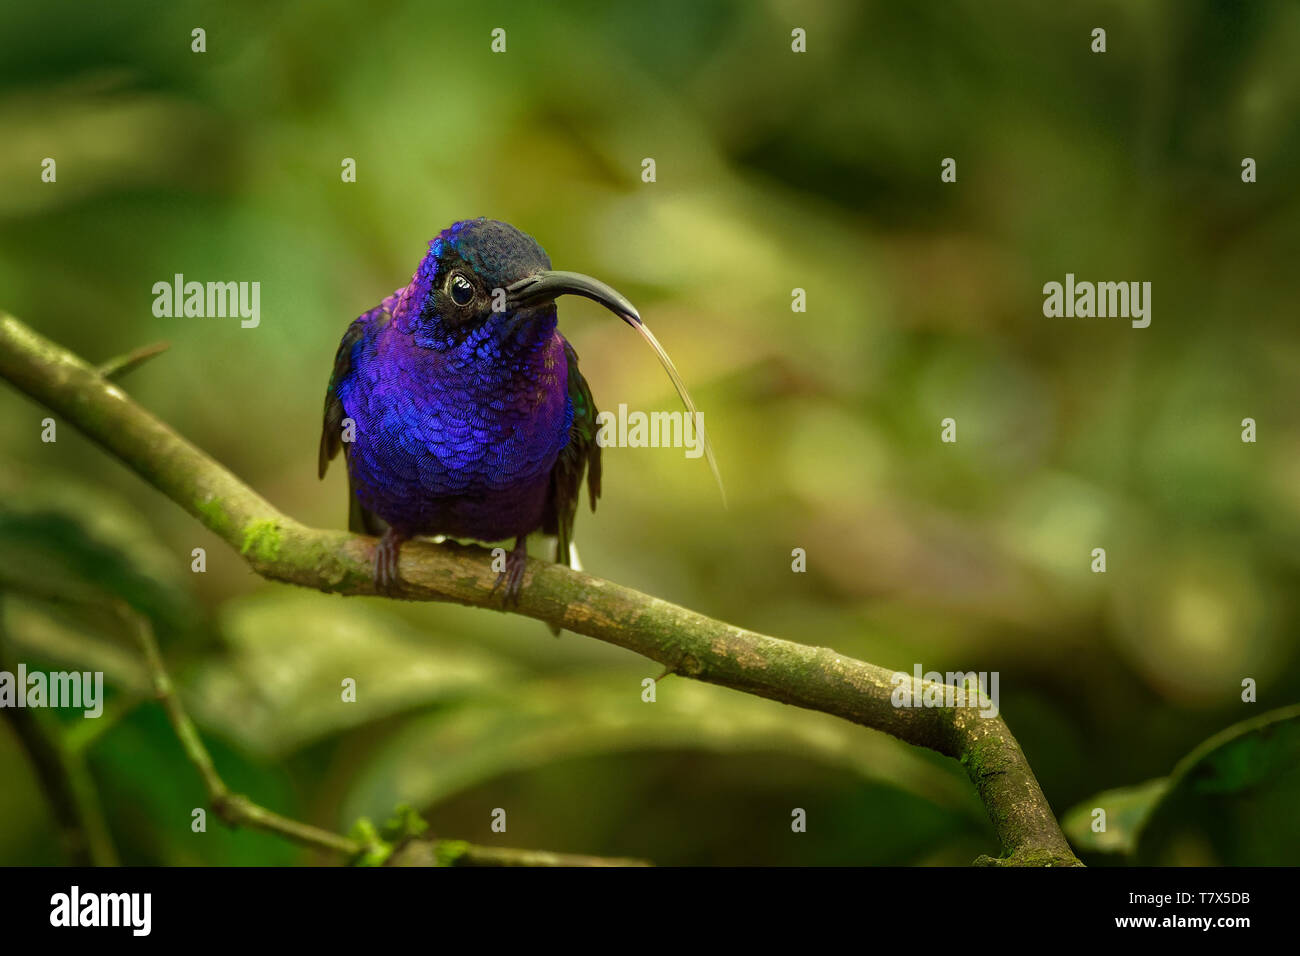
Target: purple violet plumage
x,y
457,430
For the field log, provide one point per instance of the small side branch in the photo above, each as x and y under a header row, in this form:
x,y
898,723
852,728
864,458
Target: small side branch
x,y
237,810
117,367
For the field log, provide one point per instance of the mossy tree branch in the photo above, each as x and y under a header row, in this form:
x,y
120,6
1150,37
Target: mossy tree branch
x,y
687,643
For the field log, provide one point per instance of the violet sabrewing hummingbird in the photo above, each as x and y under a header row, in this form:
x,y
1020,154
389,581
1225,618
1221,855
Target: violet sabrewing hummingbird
x,y
460,407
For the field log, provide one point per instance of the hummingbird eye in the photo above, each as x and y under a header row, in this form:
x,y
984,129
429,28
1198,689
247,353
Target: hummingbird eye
x,y
460,289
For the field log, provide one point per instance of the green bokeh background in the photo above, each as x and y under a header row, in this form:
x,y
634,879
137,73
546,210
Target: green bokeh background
x,y
775,170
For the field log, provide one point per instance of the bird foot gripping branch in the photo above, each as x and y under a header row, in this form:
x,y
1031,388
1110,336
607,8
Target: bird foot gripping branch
x,y
460,408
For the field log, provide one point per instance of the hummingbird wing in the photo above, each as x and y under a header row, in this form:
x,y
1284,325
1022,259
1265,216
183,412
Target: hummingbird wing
x,y
581,453
360,521
331,435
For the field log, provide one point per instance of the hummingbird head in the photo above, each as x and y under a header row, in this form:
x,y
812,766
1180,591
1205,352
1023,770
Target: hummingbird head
x,y
484,278
487,287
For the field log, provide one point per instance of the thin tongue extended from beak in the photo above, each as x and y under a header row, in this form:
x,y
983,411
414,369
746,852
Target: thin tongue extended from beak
x,y
696,418
546,285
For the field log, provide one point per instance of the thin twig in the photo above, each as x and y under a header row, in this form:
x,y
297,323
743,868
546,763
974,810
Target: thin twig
x,y
117,367
237,810
456,853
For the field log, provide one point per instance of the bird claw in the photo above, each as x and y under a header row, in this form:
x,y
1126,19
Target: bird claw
x,y
387,556
513,576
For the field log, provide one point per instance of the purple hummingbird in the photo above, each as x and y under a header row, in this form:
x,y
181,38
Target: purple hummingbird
x,y
460,408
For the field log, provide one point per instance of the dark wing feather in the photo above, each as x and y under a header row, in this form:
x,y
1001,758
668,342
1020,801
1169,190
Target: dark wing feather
x,y
360,521
580,454
331,435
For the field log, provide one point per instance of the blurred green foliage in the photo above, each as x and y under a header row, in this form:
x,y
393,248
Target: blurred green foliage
x,y
774,171
1231,801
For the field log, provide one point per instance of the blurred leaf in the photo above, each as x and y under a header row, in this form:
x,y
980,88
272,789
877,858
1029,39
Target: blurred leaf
x,y
67,550
280,685
150,791
526,726
1231,802
1126,809
60,635
65,538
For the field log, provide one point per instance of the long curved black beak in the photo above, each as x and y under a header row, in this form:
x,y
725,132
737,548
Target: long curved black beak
x,y
547,285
